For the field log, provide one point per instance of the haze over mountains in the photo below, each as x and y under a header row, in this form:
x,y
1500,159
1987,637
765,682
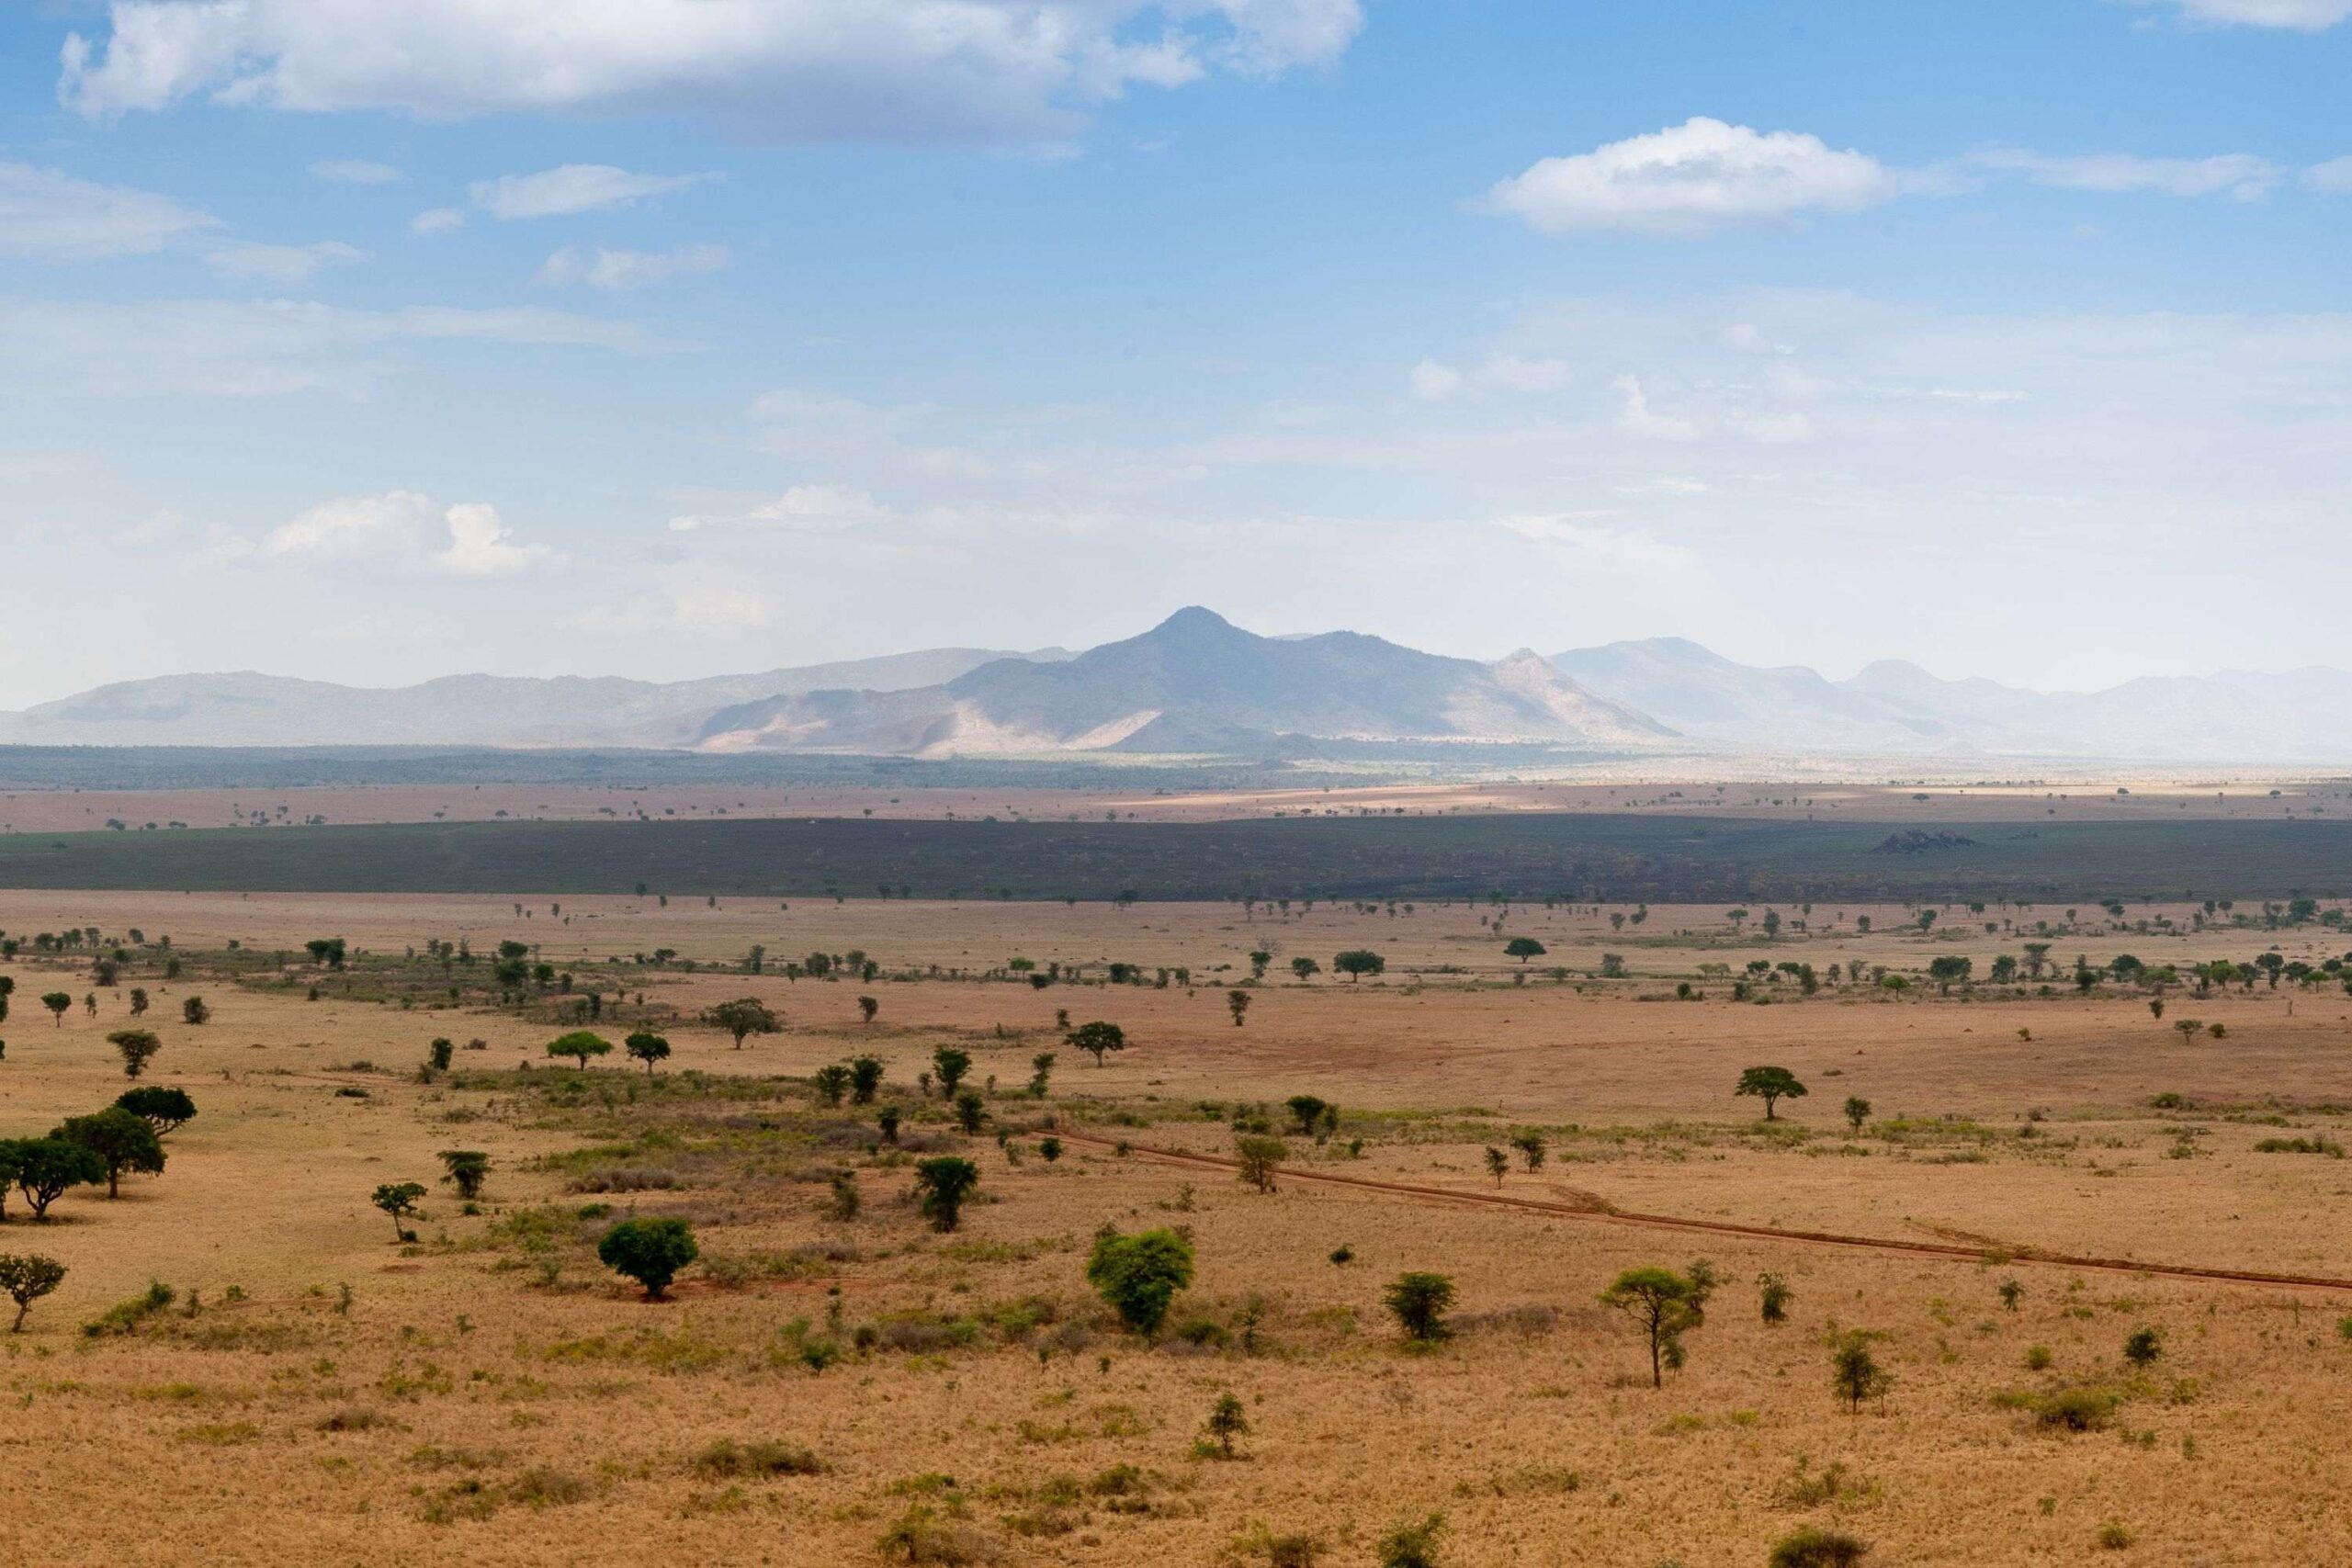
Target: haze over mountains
x,y
1196,684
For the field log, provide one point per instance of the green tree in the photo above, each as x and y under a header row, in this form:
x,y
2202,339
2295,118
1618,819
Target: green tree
x,y
1412,1544
57,1003
1524,948
1854,1372
165,1110
399,1199
941,1186
746,1016
1041,1072
1531,1148
1240,1002
864,1080
44,1167
1138,1276
970,1111
327,953
648,1251
137,1045
648,1047
1772,1297
949,1064
119,1138
1357,962
2143,1345
26,1277
1664,1305
1305,968
581,1044
193,1009
1097,1038
1259,1158
1949,970
866,1008
1227,1421
1305,1110
831,1082
1498,1164
439,1054
1419,1302
466,1169
1858,1111
1769,1083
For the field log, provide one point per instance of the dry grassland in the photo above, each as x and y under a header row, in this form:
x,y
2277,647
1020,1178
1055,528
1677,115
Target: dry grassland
x,y
490,1394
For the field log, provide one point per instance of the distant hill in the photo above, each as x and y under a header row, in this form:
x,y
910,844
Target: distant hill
x,y
247,709
1196,682
1893,707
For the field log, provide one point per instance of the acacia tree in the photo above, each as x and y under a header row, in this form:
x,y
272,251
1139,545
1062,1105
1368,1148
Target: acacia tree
x,y
1228,1419
466,1171
1259,1158
1240,1002
950,1065
649,1252
1858,1111
1769,1083
647,1047
941,1186
398,1198
1524,948
1854,1372
1305,968
1097,1038
866,1008
864,1080
122,1140
165,1110
744,1016
26,1277
57,1003
831,1082
44,1167
1140,1275
137,1046
1357,962
1665,1305
580,1045
1420,1301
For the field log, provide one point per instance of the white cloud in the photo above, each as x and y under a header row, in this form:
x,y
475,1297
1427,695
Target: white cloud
x,y
817,70
401,530
47,215
1616,546
1433,382
2239,175
1635,418
355,172
1692,178
606,269
280,264
1743,337
437,221
574,187
2306,15
816,508
2333,177
258,348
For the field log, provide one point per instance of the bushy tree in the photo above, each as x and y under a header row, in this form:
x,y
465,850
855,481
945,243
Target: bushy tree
x,y
1816,1546
1097,1038
1770,1085
1858,1111
27,1277
1772,1297
648,1251
1304,1109
1305,968
1531,1148
135,1045
43,1168
1261,1158
941,1186
866,1008
57,1003
398,1198
1357,962
580,1045
970,1111
1412,1544
746,1016
1420,1301
1664,1305
864,1080
949,1064
193,1010
440,1052
122,1140
165,1110
1523,948
1139,1274
1238,1002
1228,1420
466,1169
2143,1345
831,1082
1854,1372
648,1047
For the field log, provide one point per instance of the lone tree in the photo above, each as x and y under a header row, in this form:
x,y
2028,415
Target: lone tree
x,y
1227,1420
1240,1002
122,1140
744,1016
1858,1111
194,1010
135,1045
44,1167
1305,1110
1139,1274
1357,962
866,1008
1259,1158
26,1277
949,1064
864,1080
326,952
1531,1148
1665,1305
941,1186
1305,968
1419,1302
57,1003
1854,1372
165,1110
1498,1164
648,1251
398,1198
1769,1083
466,1171
647,1047
1524,948
1041,1074
580,1045
831,1082
1097,1038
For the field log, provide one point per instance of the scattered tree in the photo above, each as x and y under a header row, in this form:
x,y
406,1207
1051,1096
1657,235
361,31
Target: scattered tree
x,y
864,1080
44,1167
466,1171
941,1186
1665,1305
1772,1297
949,1064
746,1016
648,1251
1769,1083
399,1199
1498,1164
970,1111
1097,1038
1524,948
1240,1002
2143,1345
1305,1110
1227,1420
165,1110
1305,968
1259,1158
1419,1302
580,1045
1357,962
647,1047
831,1082
1041,1072
57,1003
1858,1111
26,1277
1138,1276
1412,1545
194,1010
1854,1372
1531,1148
866,1008
122,1140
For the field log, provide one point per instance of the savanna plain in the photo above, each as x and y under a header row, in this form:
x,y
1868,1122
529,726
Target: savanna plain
x,y
2030,1252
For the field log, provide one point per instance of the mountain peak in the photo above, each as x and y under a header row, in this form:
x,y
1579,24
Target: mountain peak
x,y
1192,620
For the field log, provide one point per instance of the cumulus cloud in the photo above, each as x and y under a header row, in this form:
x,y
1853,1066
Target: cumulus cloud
x,y
813,70
280,264
574,187
606,269
1693,179
437,221
2239,175
404,530
47,215
355,172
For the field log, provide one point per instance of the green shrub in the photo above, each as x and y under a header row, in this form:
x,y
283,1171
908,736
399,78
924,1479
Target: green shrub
x,y
1813,1545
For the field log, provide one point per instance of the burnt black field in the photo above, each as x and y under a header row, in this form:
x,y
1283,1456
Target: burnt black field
x,y
1588,857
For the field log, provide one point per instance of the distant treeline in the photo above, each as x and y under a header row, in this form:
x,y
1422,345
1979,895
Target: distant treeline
x,y
1592,858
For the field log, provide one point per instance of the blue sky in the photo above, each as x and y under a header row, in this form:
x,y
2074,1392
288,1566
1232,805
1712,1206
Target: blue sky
x,y
377,339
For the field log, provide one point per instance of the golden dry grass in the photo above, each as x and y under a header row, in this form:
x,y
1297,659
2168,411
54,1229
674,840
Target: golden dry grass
x,y
565,1416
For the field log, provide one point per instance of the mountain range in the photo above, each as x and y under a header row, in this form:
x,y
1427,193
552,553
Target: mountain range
x,y
1197,684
